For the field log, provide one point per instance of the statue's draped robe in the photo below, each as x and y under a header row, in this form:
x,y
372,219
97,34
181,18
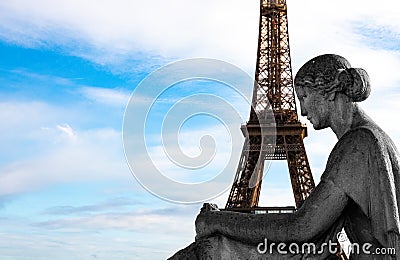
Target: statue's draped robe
x,y
364,164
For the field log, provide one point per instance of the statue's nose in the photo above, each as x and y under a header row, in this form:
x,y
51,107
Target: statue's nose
x,y
303,110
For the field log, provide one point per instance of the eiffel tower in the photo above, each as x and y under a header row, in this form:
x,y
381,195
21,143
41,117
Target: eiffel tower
x,y
273,93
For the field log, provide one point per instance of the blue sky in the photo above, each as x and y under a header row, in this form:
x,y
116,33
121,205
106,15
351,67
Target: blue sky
x,y
66,73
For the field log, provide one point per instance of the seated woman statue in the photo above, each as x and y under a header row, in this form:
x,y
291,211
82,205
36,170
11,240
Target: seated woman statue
x,y
358,191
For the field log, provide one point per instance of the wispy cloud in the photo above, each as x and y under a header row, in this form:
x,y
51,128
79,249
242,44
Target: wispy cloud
x,y
39,149
96,155
136,220
106,96
378,36
67,129
110,205
33,76
205,28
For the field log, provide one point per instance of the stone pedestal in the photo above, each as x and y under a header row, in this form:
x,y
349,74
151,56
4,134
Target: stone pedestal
x,y
222,248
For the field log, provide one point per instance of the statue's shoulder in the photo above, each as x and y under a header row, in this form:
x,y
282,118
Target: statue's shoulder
x,y
373,136
356,143
366,132
358,138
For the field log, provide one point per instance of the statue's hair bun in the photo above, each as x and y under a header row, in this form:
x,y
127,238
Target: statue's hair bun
x,y
355,84
333,73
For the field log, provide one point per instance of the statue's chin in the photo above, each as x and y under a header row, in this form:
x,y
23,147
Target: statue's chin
x,y
319,127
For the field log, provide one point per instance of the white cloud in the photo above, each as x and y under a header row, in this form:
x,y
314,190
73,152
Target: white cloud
x,y
39,149
137,220
115,235
168,28
95,155
275,197
220,29
67,129
189,145
114,97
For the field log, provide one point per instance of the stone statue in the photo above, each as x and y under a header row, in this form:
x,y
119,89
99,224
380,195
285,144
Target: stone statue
x,y
358,191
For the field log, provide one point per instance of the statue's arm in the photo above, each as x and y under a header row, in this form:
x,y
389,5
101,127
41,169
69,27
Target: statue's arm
x,y
325,204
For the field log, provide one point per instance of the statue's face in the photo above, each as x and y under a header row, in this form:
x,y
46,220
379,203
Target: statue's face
x,y
314,106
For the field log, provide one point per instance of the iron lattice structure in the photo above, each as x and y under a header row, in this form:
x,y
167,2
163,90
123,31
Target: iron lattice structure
x,y
273,94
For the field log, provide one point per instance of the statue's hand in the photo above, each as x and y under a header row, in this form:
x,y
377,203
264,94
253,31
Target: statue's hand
x,y
209,207
205,221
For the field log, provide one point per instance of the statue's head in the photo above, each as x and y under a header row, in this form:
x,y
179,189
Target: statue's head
x,y
326,79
